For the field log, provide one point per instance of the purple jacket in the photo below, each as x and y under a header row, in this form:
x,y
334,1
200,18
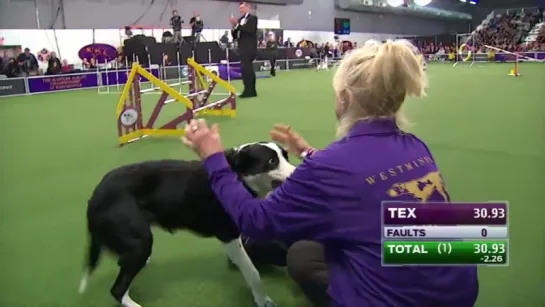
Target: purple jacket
x,y
334,197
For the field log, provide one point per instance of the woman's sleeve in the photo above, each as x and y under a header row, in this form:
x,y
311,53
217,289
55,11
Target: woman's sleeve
x,y
296,210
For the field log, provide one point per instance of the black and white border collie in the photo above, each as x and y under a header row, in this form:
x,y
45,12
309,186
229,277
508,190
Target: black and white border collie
x,y
175,195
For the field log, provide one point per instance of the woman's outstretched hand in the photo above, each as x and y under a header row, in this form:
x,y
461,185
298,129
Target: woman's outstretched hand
x,y
290,139
204,141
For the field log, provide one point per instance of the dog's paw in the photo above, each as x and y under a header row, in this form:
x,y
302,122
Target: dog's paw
x,y
268,302
128,302
148,261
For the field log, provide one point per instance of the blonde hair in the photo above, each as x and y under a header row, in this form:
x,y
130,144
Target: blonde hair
x,y
374,80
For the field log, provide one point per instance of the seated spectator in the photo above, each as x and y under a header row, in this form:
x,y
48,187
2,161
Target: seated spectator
x,y
89,64
28,63
2,64
66,68
120,58
491,55
452,55
12,69
54,66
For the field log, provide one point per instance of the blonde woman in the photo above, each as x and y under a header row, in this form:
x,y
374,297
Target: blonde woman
x,y
331,205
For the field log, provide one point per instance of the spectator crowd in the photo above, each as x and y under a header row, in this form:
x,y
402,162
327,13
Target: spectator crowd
x,y
25,64
509,31
521,30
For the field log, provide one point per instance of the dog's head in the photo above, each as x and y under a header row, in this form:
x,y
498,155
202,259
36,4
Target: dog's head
x,y
263,166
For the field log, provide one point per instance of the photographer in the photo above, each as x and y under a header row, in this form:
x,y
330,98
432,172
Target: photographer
x,y
197,26
272,47
176,23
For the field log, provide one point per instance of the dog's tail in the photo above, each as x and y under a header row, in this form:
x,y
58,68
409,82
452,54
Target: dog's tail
x,y
93,256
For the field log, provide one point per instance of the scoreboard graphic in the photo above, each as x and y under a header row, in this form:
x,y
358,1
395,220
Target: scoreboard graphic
x,y
440,234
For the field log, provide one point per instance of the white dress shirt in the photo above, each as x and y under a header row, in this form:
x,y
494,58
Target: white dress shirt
x,y
242,21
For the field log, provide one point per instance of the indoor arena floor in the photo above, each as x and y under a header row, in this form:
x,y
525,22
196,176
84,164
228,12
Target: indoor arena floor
x,y
486,130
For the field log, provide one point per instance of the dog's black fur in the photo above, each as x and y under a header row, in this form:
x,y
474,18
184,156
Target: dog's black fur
x,y
171,194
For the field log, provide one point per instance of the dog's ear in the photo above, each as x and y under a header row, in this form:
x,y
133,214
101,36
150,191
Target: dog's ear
x,y
237,160
284,152
230,156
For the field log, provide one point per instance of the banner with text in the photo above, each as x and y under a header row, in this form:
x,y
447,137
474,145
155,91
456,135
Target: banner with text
x,y
266,65
12,87
300,64
80,80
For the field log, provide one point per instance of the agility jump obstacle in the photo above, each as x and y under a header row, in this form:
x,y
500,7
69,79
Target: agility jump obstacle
x,y
164,72
515,71
201,83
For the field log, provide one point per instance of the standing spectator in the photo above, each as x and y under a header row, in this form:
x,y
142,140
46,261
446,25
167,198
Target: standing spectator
x,y
53,65
225,39
197,26
28,63
176,23
288,43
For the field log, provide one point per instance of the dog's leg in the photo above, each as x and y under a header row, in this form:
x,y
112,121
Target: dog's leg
x,y
130,264
134,243
238,256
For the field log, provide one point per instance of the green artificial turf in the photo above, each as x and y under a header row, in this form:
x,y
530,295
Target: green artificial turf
x,y
486,131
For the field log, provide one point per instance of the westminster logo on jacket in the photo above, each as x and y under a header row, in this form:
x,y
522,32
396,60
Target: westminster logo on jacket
x,y
421,188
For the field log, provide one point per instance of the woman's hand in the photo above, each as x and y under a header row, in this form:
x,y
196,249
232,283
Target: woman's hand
x,y
290,139
202,140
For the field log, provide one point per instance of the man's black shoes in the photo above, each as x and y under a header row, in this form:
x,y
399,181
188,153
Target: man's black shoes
x,y
246,95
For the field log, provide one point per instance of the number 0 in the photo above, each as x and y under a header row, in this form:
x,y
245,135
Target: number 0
x,y
484,232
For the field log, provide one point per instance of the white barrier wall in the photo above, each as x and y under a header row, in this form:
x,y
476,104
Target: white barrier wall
x,y
111,81
67,43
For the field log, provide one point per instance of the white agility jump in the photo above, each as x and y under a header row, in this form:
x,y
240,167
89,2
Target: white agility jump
x,y
175,76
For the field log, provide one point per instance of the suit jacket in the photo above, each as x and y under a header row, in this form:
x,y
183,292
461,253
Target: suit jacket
x,y
246,34
334,197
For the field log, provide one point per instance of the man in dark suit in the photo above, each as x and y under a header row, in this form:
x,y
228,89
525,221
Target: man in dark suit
x,y
245,32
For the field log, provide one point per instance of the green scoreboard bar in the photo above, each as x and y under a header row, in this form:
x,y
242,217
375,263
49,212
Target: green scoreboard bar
x,y
474,252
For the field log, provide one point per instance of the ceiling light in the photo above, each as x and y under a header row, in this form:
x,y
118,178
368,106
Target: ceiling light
x,y
422,2
395,3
